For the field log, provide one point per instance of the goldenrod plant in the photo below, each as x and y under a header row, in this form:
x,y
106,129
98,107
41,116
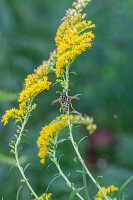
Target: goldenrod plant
x,y
74,36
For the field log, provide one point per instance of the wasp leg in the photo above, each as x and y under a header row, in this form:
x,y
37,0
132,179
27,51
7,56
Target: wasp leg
x,y
71,104
61,106
58,92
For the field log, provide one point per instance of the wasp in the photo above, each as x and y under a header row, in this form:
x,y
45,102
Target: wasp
x,y
65,100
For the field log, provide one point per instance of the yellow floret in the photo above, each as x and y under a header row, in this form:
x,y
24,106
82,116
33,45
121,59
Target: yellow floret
x,y
70,42
48,132
107,191
14,113
34,84
45,196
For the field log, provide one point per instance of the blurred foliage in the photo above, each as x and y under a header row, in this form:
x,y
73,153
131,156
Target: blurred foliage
x,y
11,161
104,78
7,96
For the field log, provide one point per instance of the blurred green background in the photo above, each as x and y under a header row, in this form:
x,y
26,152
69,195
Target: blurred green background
x,y
104,78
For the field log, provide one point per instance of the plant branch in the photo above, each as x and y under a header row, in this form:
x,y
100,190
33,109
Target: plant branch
x,y
54,160
75,146
17,159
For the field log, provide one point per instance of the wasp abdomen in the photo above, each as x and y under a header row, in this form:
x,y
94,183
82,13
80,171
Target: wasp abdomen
x,y
65,105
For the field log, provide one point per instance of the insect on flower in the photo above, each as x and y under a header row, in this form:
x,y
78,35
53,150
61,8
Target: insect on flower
x,y
65,100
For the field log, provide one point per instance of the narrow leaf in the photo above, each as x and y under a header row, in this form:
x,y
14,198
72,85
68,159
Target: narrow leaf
x,y
62,140
54,84
79,171
76,159
19,149
26,166
82,140
74,192
18,192
85,185
57,175
124,185
98,178
73,73
50,165
51,183
75,112
77,126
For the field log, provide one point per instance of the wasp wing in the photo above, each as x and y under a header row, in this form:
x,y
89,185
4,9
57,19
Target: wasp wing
x,y
73,97
56,100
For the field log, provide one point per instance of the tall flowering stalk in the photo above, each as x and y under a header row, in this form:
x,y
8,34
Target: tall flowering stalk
x,y
73,37
71,41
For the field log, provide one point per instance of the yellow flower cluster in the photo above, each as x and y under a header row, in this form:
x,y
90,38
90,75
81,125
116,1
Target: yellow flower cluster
x,y
45,196
34,89
48,132
108,190
85,120
70,41
38,74
34,84
14,113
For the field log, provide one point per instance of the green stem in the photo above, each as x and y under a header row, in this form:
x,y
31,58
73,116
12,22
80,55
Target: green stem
x,y
17,160
54,159
75,146
83,164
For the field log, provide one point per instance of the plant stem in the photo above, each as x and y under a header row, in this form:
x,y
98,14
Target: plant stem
x,y
17,160
83,164
75,146
54,159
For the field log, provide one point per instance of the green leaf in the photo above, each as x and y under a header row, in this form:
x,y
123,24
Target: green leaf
x,y
54,84
76,159
12,142
82,139
74,192
73,73
19,149
26,166
62,140
98,178
51,183
79,171
75,112
12,147
124,185
57,175
50,165
77,126
85,185
18,192
12,151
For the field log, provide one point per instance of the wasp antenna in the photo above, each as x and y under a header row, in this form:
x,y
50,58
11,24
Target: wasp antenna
x,y
58,92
